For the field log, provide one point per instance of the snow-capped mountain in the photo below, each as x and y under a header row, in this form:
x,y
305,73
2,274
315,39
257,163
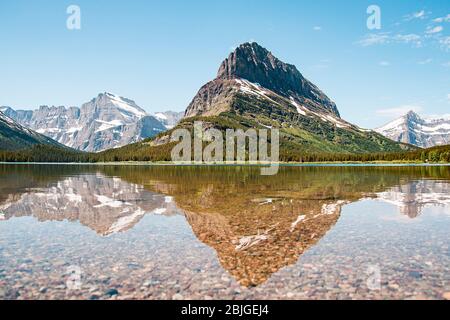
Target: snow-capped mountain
x,y
169,118
107,121
422,132
14,136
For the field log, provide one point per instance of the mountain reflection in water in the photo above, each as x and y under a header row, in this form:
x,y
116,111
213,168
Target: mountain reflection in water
x,y
256,224
412,197
106,205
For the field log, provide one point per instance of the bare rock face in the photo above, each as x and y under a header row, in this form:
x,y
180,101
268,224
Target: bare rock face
x,y
107,121
413,129
255,64
213,98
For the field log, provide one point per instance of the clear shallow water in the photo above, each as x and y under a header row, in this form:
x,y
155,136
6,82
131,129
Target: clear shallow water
x,y
87,232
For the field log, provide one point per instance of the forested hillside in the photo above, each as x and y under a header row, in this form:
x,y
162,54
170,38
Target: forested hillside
x,y
135,152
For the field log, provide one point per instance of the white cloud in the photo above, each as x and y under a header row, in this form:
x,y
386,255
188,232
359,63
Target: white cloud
x,y
426,61
446,64
448,97
398,111
445,43
384,63
374,39
385,38
417,15
442,19
432,30
411,38
317,28
432,36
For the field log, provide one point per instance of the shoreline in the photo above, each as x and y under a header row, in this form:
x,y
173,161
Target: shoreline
x,y
280,164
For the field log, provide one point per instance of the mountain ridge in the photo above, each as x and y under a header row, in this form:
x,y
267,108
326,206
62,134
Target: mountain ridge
x,y
14,136
106,121
423,132
269,72
308,120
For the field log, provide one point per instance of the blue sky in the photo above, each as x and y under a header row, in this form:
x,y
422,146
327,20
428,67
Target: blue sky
x,y
159,53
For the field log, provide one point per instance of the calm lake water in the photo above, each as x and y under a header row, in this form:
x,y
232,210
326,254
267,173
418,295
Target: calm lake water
x,y
137,232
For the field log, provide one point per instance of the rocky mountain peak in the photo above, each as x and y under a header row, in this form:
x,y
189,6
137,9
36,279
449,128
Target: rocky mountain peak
x,y
111,103
106,121
414,129
113,97
254,63
6,110
412,116
250,57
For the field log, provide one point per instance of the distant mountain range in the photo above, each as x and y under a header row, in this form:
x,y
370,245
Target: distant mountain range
x,y
14,136
252,89
107,121
422,132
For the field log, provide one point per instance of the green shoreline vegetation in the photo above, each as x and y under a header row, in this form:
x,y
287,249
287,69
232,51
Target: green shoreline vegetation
x,y
161,154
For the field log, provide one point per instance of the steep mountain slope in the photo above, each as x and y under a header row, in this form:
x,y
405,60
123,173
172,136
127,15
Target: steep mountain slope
x,y
13,136
422,132
169,118
107,121
255,89
264,75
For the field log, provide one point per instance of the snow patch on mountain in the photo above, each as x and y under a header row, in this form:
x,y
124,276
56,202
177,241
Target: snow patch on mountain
x,y
14,125
126,105
161,116
107,121
301,110
421,131
169,118
256,89
106,125
15,136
